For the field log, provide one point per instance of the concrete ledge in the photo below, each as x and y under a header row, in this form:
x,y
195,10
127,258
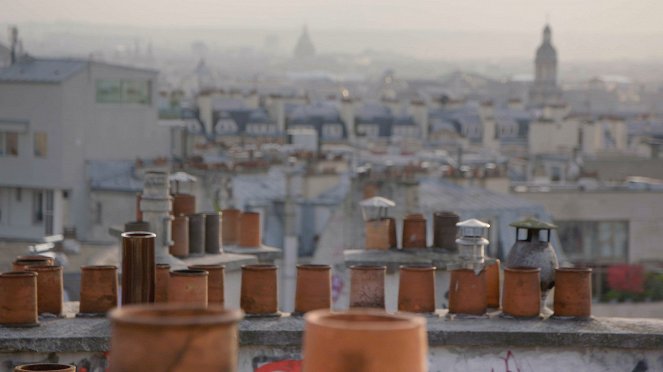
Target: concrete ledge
x,y
93,335
231,261
264,253
394,258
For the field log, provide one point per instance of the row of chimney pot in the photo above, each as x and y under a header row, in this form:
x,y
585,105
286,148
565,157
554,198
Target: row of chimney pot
x,y
24,296
144,333
530,251
473,286
195,234
380,232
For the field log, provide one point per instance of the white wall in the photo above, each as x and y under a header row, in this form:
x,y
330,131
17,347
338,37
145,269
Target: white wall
x,y
643,210
41,106
507,358
553,137
78,129
17,221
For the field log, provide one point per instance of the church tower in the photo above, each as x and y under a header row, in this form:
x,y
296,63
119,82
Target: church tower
x,y
304,47
545,90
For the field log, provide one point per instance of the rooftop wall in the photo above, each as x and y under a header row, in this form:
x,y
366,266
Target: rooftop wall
x,y
471,344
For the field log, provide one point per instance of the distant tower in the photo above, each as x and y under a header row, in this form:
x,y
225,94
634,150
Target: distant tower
x,y
304,47
545,90
204,76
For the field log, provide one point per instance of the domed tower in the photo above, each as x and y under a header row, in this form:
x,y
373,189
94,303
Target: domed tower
x,y
304,47
545,90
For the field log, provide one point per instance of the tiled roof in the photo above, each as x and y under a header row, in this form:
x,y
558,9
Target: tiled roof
x,y
41,70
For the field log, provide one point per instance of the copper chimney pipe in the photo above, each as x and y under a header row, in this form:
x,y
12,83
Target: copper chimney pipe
x,y
183,204
49,288
174,337
378,234
230,226
367,286
18,299
215,282
52,367
98,289
313,289
138,267
414,231
22,263
161,283
188,286
249,230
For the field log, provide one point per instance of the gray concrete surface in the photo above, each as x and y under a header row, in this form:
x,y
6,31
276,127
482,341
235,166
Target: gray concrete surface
x,y
84,334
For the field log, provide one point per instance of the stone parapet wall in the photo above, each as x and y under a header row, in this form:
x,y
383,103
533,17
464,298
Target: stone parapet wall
x,y
470,344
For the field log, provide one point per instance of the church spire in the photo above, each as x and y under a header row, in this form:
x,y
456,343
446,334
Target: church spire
x,y
547,34
545,89
304,47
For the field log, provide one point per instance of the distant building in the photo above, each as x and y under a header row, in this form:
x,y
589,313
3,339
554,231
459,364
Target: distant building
x,y
545,90
304,47
324,118
5,56
601,225
55,115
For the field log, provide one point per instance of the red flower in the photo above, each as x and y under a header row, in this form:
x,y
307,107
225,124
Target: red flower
x,y
626,278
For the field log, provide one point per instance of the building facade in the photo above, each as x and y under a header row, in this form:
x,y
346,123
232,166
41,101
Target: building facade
x,y
56,114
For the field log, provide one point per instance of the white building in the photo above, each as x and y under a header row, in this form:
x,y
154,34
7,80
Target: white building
x,y
55,115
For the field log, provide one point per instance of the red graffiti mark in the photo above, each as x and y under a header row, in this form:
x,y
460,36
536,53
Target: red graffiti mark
x,y
281,366
509,357
507,360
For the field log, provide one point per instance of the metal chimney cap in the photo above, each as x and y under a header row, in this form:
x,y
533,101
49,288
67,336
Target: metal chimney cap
x,y
182,177
377,201
532,224
473,223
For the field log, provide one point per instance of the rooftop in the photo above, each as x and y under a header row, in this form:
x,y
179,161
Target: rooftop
x,y
49,70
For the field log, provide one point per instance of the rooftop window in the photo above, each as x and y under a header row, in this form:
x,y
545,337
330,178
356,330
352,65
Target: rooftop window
x,y
123,91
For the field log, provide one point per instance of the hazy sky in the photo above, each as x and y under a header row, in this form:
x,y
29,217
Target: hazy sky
x,y
594,16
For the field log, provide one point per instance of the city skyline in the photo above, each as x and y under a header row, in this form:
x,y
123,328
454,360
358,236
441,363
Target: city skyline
x,y
472,15
590,30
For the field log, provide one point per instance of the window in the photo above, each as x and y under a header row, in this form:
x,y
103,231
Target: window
x,y
40,144
97,213
599,241
123,91
37,207
8,144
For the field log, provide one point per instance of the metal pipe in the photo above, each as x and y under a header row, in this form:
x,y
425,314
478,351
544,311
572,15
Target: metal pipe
x,y
138,267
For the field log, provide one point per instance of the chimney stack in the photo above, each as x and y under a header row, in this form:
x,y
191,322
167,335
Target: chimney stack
x,y
13,42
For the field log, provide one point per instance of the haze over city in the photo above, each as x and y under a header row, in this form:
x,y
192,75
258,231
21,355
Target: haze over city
x,y
491,31
274,180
